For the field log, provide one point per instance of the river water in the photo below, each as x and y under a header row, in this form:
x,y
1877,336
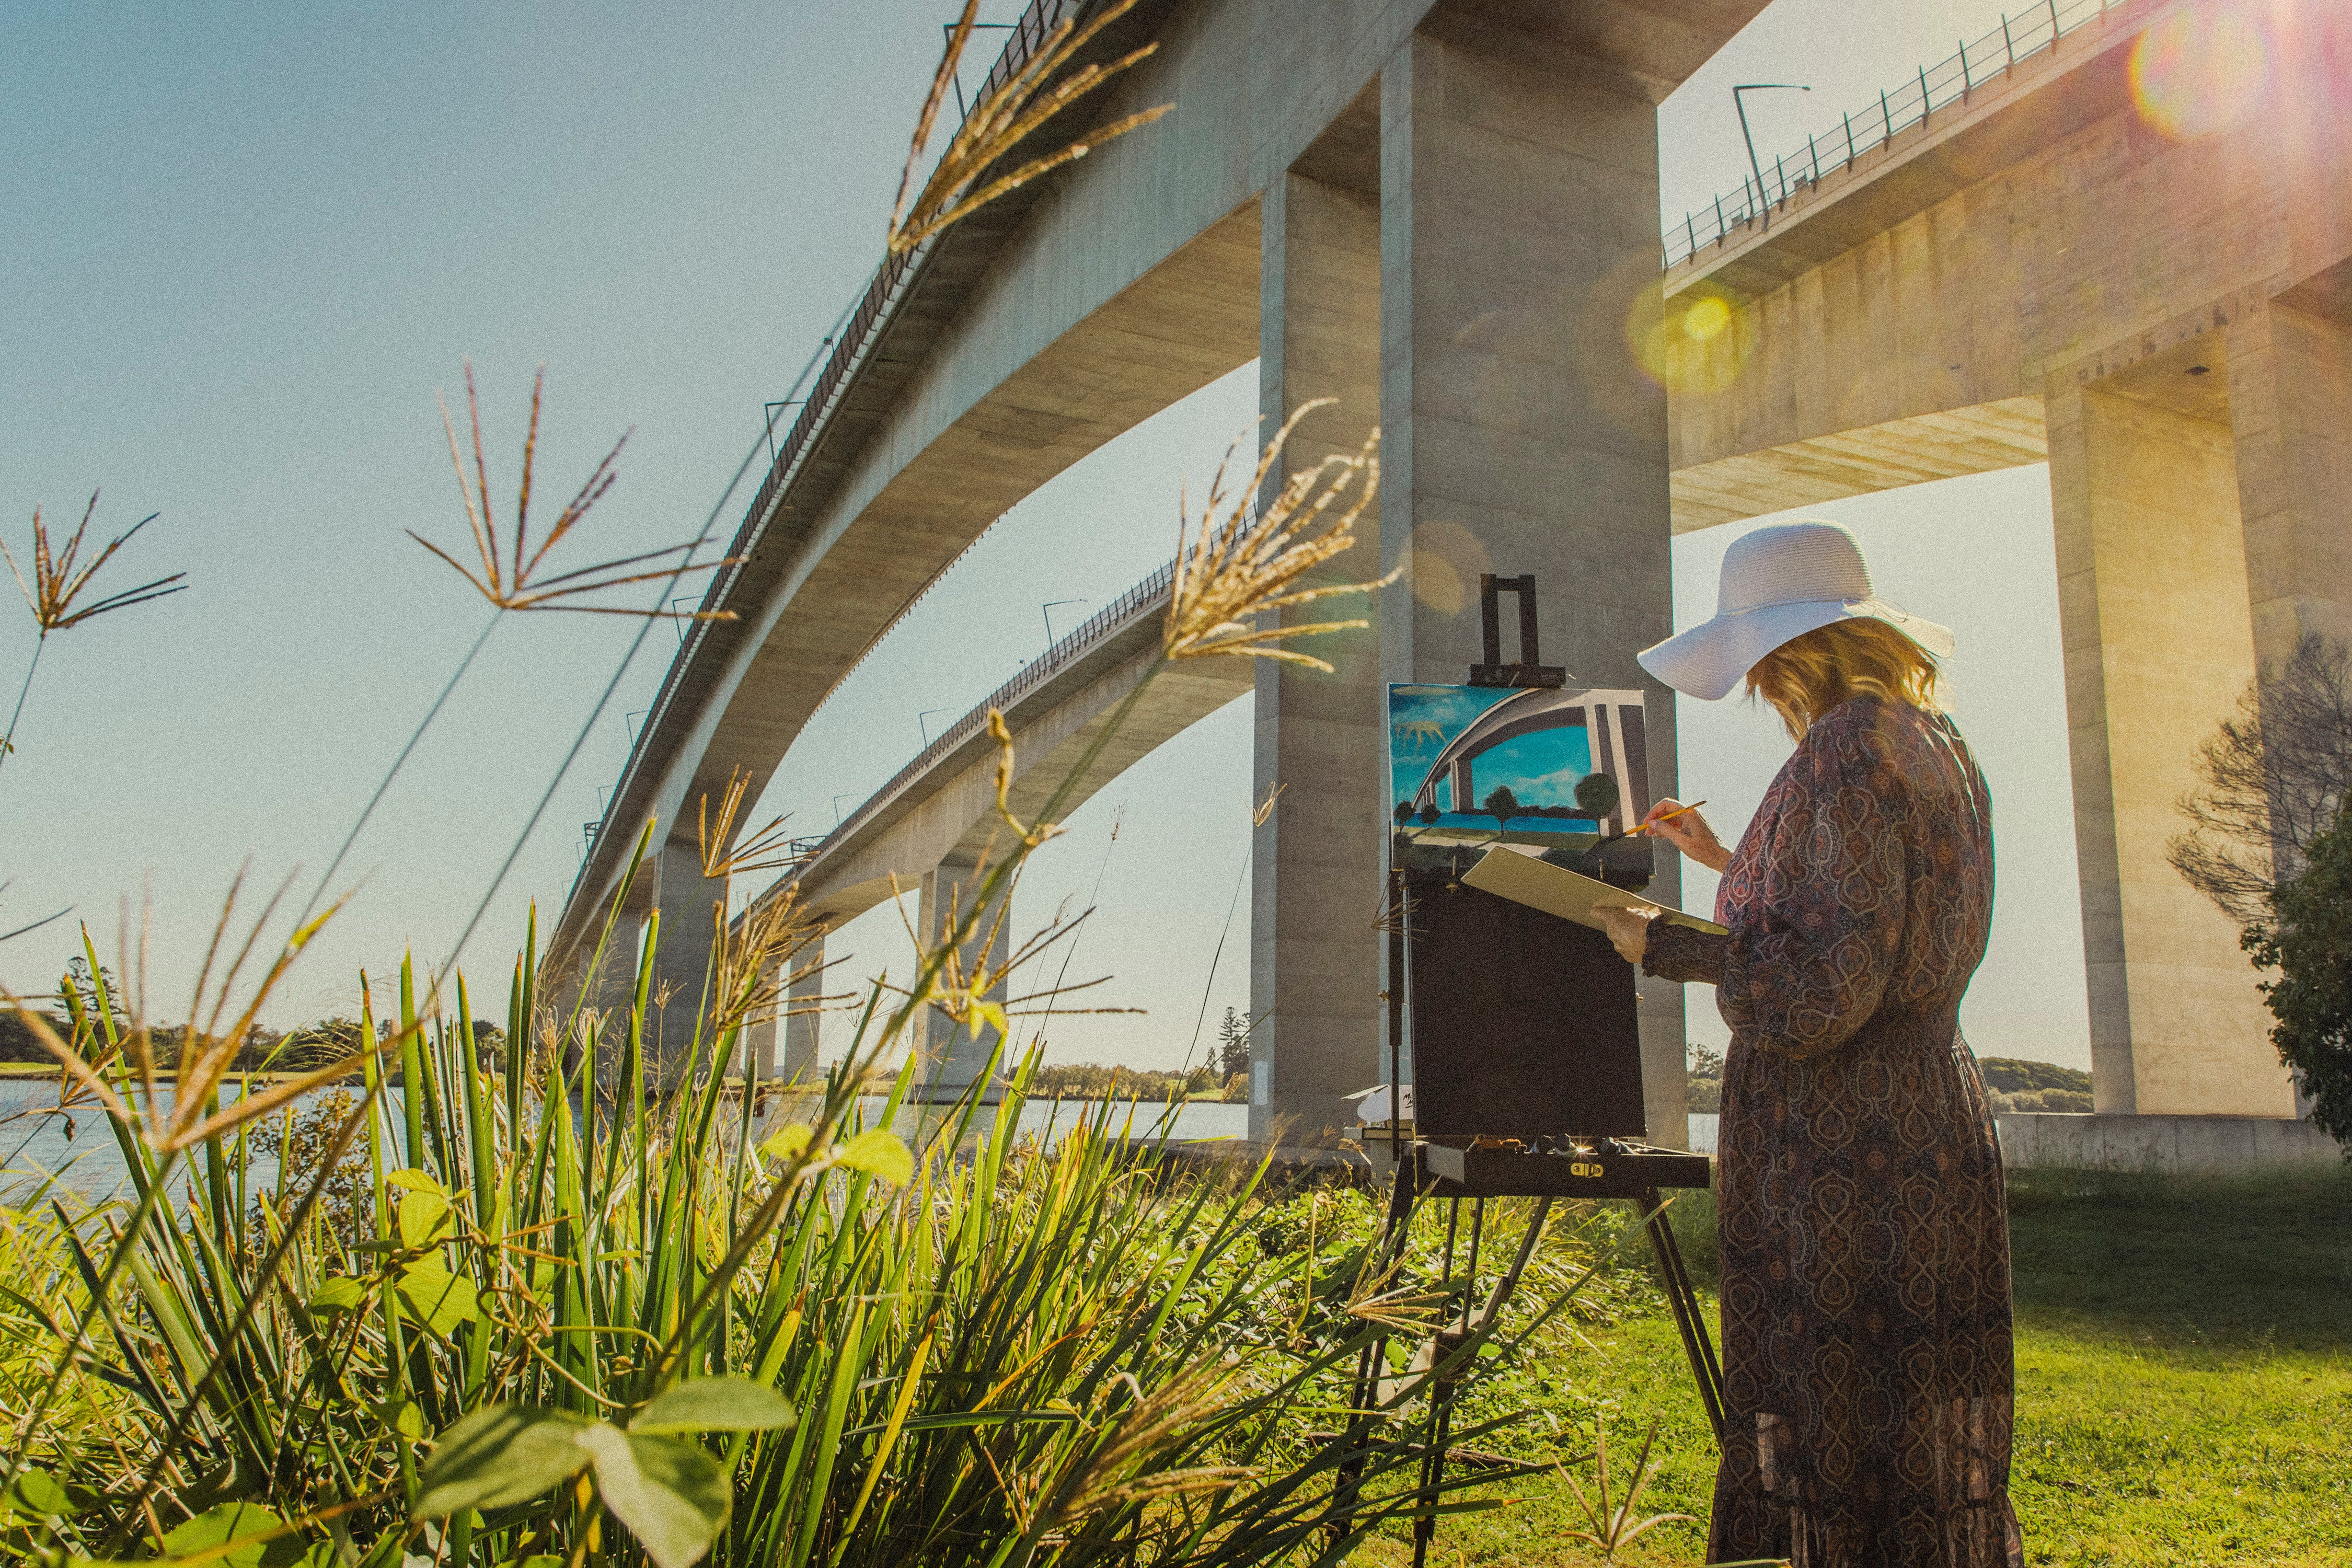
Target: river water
x,y
78,1150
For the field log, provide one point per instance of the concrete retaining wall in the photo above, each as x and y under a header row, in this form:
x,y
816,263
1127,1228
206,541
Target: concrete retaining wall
x,y
2161,1142
2135,1142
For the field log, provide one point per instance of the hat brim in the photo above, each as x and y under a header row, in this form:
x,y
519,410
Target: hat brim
x,y
1709,660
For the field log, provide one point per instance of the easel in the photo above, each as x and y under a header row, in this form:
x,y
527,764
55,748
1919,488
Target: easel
x,y
1441,995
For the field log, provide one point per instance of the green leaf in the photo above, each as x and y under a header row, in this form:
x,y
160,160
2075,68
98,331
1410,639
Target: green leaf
x,y
405,1416
443,1301
37,1492
236,1521
340,1296
499,1456
787,1140
673,1496
878,1152
714,1404
990,1013
424,1219
415,1181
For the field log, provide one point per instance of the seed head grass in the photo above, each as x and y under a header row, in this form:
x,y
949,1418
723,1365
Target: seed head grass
x,y
222,1019
510,575
1001,120
55,593
1245,561
55,590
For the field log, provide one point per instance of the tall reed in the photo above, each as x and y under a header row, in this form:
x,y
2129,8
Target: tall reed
x,y
810,1345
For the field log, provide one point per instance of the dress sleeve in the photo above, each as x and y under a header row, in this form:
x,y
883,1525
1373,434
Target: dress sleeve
x,y
1678,953
1821,945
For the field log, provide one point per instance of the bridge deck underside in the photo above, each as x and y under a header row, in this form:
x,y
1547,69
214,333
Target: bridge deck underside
x,y
1187,323
1947,444
1062,758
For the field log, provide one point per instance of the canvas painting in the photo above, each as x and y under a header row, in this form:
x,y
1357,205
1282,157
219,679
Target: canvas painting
x,y
1555,766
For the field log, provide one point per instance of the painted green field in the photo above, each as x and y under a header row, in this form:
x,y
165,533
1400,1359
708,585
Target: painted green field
x,y
2184,1386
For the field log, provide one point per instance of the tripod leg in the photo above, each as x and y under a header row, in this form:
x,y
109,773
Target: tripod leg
x,y
1440,1409
1365,1390
1689,1320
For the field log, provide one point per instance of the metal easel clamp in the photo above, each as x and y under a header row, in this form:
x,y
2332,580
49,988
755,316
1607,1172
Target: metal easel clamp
x,y
1530,671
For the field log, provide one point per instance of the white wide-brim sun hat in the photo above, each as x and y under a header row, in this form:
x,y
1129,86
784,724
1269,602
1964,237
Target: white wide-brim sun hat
x,y
1780,582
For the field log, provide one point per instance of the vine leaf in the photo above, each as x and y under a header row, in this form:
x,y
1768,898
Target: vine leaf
x,y
673,1496
714,1404
500,1456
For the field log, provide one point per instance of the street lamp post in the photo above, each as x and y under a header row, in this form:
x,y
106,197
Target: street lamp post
x,y
1047,610
924,729
1763,202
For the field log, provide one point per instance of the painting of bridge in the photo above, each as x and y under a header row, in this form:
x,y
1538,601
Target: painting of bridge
x,y
1553,767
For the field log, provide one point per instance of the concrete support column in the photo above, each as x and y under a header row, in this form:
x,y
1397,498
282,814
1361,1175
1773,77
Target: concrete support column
x,y
798,1064
1315,955
2291,416
1518,228
756,1048
687,900
785,1079
952,1057
2158,644
605,985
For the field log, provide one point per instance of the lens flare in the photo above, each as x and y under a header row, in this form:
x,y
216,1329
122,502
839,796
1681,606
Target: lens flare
x,y
1446,561
2197,72
1698,345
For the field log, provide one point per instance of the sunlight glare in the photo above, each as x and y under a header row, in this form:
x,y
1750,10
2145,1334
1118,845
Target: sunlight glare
x,y
1699,345
2197,72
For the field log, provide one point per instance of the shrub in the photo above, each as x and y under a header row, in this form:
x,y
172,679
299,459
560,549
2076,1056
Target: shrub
x,y
981,1340
2014,1075
2309,941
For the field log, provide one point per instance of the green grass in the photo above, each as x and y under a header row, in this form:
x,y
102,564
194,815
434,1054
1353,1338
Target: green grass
x,y
2184,1386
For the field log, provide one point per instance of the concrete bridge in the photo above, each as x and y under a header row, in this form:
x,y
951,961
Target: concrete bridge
x,y
1444,215
2036,269
936,823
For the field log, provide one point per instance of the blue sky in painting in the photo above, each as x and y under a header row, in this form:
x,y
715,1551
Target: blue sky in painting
x,y
1541,769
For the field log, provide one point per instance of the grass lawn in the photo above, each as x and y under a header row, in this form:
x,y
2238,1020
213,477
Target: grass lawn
x,y
2184,1379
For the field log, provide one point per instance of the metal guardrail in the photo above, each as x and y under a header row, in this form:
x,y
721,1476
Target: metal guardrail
x,y
852,342
1122,612
873,312
1936,87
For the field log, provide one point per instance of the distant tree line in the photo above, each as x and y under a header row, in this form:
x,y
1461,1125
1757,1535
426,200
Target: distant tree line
x,y
2011,1083
1091,1081
301,1049
1224,1075
2015,1084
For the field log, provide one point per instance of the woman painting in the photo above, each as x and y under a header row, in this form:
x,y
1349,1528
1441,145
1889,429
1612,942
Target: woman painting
x,y
1868,1359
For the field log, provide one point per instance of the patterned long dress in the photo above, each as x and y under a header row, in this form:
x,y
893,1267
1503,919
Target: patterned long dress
x,y
1867,1356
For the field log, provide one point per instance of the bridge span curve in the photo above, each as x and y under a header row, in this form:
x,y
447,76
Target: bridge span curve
x,y
934,823
1440,213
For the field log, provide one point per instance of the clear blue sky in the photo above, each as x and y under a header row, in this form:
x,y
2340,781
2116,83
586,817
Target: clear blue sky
x,y
248,245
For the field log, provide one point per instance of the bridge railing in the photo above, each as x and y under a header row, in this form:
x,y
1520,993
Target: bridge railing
x,y
851,344
1122,612
1874,125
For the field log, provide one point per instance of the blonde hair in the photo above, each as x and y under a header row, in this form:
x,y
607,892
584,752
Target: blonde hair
x,y
1807,676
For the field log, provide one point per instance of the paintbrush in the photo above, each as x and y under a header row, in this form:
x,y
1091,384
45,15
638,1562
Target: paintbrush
x,y
1668,817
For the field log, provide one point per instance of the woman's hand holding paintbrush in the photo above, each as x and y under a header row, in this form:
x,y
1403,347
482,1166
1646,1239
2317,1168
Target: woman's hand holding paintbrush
x,y
1681,827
